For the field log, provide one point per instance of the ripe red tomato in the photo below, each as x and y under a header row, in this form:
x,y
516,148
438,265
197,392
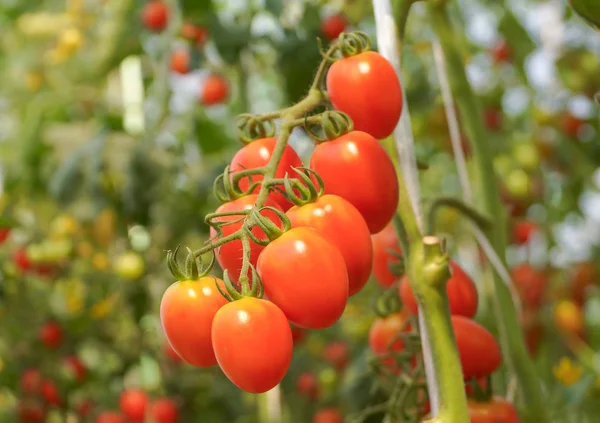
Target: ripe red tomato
x,y
384,336
229,256
462,293
332,26
367,88
336,354
51,335
155,15
343,225
187,310
305,275
76,367
479,352
31,411
253,343
110,417
492,117
84,408
171,353
531,284
164,410
357,168
497,410
215,90
307,385
257,154
21,260
501,52
31,381
384,243
4,233
180,61
133,403
50,392
523,231
328,415
197,34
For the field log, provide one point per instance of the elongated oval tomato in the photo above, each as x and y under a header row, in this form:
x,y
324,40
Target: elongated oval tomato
x,y
187,310
343,225
479,351
461,290
357,168
253,343
229,256
367,88
385,243
305,275
384,336
257,154
498,410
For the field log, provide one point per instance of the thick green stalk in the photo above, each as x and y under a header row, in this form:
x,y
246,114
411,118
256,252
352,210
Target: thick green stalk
x,y
512,340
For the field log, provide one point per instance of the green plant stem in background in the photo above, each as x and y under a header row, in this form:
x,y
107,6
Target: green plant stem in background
x,y
511,335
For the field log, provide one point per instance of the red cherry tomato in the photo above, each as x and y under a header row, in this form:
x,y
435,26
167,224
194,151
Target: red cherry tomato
x,y
155,15
343,225
253,343
110,417
497,410
31,411
187,310
133,403
180,61
257,154
85,408
305,275
298,334
51,335
50,393
332,26
328,415
336,354
197,34
367,88
492,117
462,293
21,260
164,410
523,231
307,385
479,352
4,233
76,367
531,284
501,52
384,244
357,168
215,90
229,256
31,381
384,336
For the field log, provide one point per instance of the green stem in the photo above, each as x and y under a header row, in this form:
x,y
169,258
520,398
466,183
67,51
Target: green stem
x,y
483,222
512,340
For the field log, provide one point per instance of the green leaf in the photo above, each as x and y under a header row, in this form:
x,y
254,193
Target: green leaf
x,y
588,10
297,61
229,40
195,10
274,6
517,37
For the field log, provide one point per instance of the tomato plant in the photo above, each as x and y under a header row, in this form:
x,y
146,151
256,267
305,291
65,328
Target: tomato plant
x,y
384,336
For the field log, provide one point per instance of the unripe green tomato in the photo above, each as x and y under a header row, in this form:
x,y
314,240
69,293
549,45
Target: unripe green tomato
x,y
527,155
518,183
129,265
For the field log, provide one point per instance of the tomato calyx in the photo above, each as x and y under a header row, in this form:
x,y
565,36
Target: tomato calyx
x,y
227,185
328,126
388,302
271,230
193,269
480,389
310,189
250,287
353,43
253,127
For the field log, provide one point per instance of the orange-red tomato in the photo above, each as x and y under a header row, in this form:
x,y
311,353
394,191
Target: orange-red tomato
x,y
523,230
164,410
257,154
497,410
384,244
229,256
332,26
336,354
31,411
155,15
75,367
461,290
253,343
110,417
180,61
197,34
384,336
568,317
305,275
343,225
4,233
367,88
50,393
328,415
187,310
479,351
133,403
530,283
357,168
307,385
215,90
51,335
31,381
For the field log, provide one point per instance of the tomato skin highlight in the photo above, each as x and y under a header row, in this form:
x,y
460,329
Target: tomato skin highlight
x,y
384,242
214,91
305,275
133,403
328,415
230,255
343,225
252,340
383,336
357,168
498,410
479,351
257,154
461,290
367,88
187,311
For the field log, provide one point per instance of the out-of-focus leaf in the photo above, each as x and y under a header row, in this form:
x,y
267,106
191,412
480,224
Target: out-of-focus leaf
x,y
297,61
68,179
274,6
517,37
196,11
230,40
588,10
212,138
150,372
